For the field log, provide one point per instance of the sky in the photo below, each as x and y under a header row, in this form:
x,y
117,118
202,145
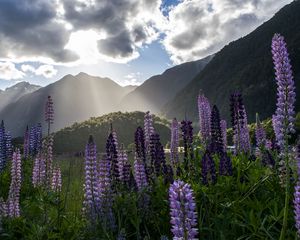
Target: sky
x,y
126,40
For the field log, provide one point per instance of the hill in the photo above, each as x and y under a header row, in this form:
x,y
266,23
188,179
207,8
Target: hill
x,y
159,89
73,139
244,65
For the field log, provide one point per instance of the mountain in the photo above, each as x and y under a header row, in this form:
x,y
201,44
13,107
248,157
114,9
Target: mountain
x,y
12,94
245,65
99,127
159,89
76,98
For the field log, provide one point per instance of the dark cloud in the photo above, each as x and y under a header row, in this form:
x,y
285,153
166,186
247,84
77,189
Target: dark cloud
x,y
28,29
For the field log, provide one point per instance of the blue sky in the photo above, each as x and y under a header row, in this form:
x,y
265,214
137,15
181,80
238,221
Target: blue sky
x,y
127,41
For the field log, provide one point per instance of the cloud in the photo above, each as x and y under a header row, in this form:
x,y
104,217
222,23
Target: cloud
x,y
197,28
132,79
8,71
47,71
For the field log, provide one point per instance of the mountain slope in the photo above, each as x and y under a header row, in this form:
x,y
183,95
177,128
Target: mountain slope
x,y
159,89
99,128
76,98
15,92
244,65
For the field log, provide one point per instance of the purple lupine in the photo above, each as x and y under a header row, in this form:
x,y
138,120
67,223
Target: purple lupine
x,y
123,165
260,134
112,153
204,111
140,173
91,180
223,125
39,171
48,156
26,143
49,113
244,138
187,135
225,168
183,211
208,169
105,193
286,97
9,147
13,201
174,157
56,182
35,139
297,193
216,144
148,129
2,146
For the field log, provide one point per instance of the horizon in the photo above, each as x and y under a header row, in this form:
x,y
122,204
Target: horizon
x,y
141,41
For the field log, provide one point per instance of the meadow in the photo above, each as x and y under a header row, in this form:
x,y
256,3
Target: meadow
x,y
250,190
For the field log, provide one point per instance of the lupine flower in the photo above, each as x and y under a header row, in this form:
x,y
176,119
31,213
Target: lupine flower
x,y
260,134
139,139
112,153
216,145
39,171
13,201
182,211
208,169
158,159
3,209
187,135
49,113
148,129
3,156
123,165
91,198
105,193
267,159
204,111
9,147
297,193
48,156
244,134
284,117
225,168
35,139
26,143
223,125
140,173
56,183
174,142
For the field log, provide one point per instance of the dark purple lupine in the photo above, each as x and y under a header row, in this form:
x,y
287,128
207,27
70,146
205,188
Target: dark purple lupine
x,y
9,147
174,157
297,192
157,154
48,156
148,129
225,168
112,153
91,198
187,135
3,156
223,125
26,143
208,169
49,113
204,111
183,211
284,117
268,159
13,201
140,173
216,144
35,139
139,139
